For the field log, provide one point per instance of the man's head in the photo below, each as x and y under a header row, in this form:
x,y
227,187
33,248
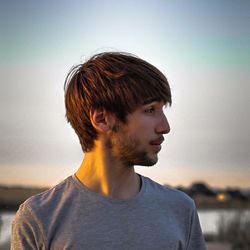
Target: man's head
x,y
115,82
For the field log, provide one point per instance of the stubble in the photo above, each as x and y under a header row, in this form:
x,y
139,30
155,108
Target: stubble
x,y
127,148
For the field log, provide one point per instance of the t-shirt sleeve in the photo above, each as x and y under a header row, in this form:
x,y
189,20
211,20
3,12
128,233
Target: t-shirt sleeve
x,y
26,233
195,240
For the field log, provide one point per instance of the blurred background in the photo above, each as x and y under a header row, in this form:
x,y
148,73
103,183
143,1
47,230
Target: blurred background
x,y
203,48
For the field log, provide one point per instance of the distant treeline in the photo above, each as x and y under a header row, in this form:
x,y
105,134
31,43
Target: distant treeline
x,y
204,196
12,197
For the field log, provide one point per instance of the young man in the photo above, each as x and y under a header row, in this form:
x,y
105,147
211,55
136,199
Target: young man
x,y
114,102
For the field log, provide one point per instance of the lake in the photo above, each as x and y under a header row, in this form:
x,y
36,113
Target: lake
x,y
210,218
5,230
209,221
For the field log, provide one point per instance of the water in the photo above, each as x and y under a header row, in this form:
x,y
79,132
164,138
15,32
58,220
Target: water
x,y
6,219
209,220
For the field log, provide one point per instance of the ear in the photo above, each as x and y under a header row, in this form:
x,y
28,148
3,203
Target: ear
x,y
101,120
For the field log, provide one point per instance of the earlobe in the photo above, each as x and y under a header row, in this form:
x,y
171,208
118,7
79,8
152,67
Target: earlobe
x,y
100,120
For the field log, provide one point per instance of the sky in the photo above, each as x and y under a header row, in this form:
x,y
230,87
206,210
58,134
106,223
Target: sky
x,y
203,48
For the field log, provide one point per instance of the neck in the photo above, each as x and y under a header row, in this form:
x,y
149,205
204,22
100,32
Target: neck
x,y
104,175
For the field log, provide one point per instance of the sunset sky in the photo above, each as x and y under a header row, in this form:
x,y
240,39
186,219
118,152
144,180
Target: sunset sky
x,y
203,48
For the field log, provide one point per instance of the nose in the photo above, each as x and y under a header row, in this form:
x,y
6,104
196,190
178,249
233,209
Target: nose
x,y
163,126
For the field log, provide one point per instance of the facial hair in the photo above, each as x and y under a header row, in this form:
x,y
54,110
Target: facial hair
x,y
126,149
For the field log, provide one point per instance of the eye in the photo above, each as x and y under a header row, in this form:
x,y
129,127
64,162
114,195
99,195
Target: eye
x,y
149,110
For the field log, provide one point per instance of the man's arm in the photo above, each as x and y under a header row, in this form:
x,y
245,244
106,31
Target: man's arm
x,y
195,240
26,233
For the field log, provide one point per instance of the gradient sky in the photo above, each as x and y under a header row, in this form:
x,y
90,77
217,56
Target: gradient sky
x,y
203,47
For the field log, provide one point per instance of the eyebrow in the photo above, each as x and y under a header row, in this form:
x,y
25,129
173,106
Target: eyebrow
x,y
149,100
152,99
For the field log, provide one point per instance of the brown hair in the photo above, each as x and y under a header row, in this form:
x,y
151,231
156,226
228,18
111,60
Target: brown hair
x,y
117,82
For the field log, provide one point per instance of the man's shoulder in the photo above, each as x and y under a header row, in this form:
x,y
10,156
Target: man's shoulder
x,y
39,213
48,199
169,195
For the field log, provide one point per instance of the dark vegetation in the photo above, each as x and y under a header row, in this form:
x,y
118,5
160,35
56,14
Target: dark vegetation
x,y
209,198
236,231
204,196
12,197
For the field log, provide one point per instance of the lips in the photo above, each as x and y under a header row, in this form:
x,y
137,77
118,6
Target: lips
x,y
157,142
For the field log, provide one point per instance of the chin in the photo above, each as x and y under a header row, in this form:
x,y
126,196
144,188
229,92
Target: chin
x,y
151,163
141,158
148,161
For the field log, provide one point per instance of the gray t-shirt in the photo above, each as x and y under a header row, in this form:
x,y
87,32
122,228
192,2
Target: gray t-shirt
x,y
70,216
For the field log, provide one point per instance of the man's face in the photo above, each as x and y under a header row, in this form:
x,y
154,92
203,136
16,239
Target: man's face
x,y
139,140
